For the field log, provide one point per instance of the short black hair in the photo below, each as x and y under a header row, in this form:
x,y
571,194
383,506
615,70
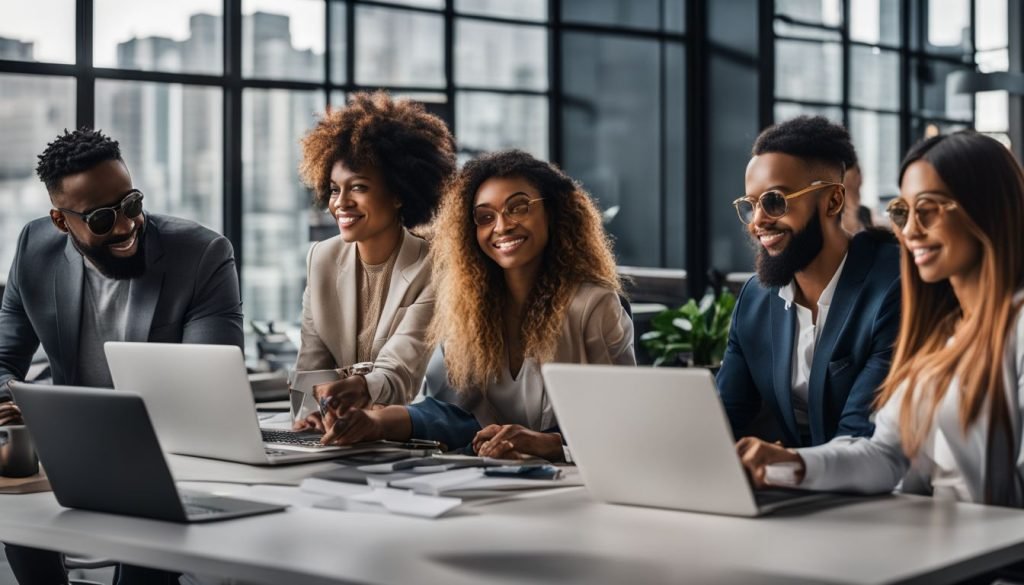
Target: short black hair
x,y
74,152
812,138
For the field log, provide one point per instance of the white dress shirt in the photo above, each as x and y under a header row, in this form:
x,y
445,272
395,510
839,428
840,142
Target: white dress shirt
x,y
806,338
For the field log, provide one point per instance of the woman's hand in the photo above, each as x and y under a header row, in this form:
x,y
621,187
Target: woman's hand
x,y
517,442
312,422
756,455
355,426
339,397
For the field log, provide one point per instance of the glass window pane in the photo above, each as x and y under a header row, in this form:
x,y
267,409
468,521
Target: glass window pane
x,y
788,29
399,47
491,121
989,61
612,128
823,12
924,128
992,111
929,96
786,111
877,139
339,46
435,4
521,9
674,15
185,36
277,208
46,32
875,76
171,140
622,13
991,19
34,109
283,39
875,21
675,156
809,71
949,26
501,55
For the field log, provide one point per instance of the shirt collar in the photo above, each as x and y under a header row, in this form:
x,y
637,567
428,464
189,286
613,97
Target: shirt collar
x,y
788,293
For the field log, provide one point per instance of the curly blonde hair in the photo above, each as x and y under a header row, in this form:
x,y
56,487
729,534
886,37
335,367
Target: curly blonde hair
x,y
413,150
470,287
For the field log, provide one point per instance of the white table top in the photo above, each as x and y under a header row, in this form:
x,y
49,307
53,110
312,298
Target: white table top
x,y
561,537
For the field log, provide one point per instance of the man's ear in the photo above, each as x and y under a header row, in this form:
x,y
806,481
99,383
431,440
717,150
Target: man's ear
x,y
59,220
836,201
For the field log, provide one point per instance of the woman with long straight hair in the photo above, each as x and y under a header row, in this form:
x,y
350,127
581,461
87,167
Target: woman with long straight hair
x,y
950,415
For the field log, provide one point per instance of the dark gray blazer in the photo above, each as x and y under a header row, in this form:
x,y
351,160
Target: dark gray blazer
x,y
189,294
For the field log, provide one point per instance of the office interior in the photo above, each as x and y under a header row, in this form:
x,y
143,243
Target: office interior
x,y
651,104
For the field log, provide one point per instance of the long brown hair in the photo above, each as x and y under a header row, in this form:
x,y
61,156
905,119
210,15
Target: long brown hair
x,y
988,186
471,291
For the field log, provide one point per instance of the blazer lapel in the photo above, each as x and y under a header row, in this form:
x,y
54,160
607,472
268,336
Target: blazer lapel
x,y
406,266
145,290
67,288
783,324
848,289
348,290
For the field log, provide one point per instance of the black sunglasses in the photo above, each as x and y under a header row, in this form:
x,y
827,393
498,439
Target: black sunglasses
x,y
102,220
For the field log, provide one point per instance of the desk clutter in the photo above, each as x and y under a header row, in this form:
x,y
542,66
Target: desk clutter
x,y
424,487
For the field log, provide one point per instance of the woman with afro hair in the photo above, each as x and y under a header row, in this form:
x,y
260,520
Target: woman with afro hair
x,y
378,167
525,275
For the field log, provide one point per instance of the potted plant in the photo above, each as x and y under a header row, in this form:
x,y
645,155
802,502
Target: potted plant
x,y
695,334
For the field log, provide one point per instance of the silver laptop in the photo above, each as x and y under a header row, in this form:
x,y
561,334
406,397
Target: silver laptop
x,y
201,404
656,437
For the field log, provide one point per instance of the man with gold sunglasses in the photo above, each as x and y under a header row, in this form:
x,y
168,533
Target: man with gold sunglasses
x,y
99,269
812,333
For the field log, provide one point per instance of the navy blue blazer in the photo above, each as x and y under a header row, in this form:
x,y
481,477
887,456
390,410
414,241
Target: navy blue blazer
x,y
851,357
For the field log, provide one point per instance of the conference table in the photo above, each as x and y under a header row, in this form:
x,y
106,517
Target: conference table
x,y
556,536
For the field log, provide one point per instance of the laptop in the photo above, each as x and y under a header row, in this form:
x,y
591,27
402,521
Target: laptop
x,y
656,437
202,405
101,453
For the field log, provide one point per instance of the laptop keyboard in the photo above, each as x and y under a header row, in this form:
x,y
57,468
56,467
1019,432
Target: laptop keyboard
x,y
300,439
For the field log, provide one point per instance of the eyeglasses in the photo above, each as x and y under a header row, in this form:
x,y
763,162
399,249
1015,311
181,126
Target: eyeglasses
x,y
101,221
516,209
774,203
927,212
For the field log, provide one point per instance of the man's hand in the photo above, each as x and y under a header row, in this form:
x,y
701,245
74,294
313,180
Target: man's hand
x,y
10,414
338,397
355,426
517,442
756,455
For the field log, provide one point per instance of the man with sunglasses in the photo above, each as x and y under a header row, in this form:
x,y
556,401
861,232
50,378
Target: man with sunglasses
x,y
101,269
812,333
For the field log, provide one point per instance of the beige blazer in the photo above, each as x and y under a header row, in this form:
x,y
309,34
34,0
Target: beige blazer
x,y
329,317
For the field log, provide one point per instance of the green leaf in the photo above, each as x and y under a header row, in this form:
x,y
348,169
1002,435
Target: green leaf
x,y
659,361
651,335
683,324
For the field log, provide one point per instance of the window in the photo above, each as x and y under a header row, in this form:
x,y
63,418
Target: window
x,y
184,36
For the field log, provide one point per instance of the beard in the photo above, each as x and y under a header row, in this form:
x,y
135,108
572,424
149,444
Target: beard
x,y
113,266
803,248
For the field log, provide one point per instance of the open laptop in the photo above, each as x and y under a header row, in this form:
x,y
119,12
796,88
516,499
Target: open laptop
x,y
101,453
202,405
656,437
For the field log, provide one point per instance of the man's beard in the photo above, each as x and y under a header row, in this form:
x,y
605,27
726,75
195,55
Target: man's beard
x,y
804,246
113,266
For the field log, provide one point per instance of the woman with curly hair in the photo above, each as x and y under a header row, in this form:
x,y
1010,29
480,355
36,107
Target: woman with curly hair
x,y
524,275
378,166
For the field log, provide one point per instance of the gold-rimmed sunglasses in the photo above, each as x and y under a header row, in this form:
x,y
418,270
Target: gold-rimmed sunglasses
x,y
927,212
774,203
